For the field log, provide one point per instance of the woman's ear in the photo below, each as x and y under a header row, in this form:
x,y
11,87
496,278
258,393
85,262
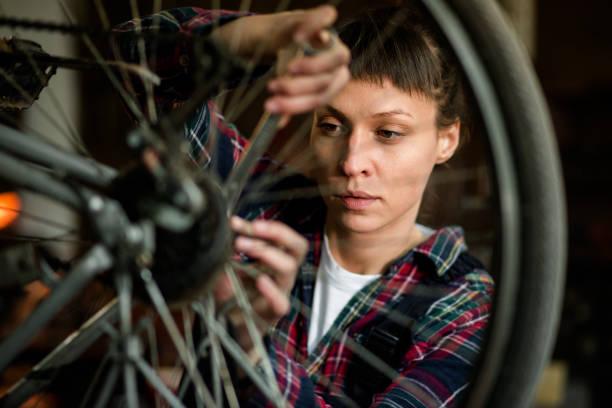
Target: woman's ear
x,y
448,140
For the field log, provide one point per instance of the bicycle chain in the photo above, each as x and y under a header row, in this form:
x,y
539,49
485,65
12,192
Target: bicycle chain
x,y
50,26
79,29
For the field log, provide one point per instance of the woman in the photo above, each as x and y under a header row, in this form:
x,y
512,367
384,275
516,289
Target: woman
x,y
370,277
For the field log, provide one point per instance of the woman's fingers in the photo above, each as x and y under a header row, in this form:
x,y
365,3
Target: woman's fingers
x,y
274,232
279,252
282,264
277,301
300,84
307,93
278,249
324,61
312,21
309,81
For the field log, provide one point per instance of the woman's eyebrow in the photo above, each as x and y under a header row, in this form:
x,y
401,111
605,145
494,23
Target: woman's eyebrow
x,y
393,112
335,112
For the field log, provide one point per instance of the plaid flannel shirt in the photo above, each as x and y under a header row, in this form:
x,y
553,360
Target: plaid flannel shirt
x,y
446,334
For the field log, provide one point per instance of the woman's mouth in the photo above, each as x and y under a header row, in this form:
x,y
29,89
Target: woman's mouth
x,y
356,200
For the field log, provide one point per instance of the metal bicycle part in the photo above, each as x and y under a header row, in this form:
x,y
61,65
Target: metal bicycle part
x,y
119,214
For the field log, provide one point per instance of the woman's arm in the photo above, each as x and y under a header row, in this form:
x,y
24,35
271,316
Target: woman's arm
x,y
303,82
306,82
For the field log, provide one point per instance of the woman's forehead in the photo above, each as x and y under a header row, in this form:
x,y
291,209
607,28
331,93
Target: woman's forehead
x,y
375,99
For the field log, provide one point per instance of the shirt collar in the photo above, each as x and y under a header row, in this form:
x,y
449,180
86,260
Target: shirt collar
x,y
440,250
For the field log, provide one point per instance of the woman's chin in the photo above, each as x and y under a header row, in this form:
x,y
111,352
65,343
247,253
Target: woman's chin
x,y
356,223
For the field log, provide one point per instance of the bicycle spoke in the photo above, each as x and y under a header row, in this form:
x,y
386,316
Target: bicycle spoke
x,y
241,97
219,100
242,359
183,352
188,336
263,134
125,77
208,314
127,99
156,382
94,381
153,351
109,385
260,350
71,134
38,240
152,113
128,343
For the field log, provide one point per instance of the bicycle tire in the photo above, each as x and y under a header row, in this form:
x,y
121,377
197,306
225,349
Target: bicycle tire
x,y
528,300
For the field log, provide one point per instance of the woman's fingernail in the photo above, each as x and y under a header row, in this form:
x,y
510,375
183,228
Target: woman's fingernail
x,y
260,226
243,244
272,106
324,37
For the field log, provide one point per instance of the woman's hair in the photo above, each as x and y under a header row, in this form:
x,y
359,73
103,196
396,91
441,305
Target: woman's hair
x,y
404,45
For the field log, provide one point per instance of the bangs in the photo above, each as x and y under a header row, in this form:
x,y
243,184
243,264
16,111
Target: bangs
x,y
389,44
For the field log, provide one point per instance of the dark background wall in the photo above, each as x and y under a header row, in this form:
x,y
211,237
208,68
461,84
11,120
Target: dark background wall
x,y
574,63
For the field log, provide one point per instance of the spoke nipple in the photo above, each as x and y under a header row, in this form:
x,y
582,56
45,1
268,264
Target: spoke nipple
x,y
134,140
96,204
133,347
146,275
133,235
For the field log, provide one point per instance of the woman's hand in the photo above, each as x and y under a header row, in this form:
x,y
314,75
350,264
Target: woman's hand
x,y
279,251
304,82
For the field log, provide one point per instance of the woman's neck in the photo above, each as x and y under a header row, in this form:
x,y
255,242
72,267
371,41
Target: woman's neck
x,y
370,253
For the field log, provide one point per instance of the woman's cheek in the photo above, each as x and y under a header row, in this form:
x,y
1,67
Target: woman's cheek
x,y
325,150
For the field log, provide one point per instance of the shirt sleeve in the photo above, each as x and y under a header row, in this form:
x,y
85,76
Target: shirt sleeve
x,y
168,40
168,44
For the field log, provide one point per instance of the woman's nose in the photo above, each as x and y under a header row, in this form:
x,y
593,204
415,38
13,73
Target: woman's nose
x,y
355,159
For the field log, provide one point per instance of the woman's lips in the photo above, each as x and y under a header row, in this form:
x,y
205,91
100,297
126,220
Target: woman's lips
x,y
356,200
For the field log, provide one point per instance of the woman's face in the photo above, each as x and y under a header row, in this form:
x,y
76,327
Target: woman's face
x,y
375,147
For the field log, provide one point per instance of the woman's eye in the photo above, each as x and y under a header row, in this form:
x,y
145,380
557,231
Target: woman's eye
x,y
330,128
387,134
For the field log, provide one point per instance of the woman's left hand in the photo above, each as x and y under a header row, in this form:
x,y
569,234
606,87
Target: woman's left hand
x,y
279,252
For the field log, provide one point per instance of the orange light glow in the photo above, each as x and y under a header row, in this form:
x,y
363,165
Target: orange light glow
x,y
10,205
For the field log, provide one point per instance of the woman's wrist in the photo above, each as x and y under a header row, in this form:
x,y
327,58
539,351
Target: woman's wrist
x,y
246,35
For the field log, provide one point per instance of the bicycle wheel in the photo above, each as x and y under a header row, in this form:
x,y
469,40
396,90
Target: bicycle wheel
x,y
509,108
532,252
109,208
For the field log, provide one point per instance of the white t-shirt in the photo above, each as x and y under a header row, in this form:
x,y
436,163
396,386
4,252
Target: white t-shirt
x,y
334,287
